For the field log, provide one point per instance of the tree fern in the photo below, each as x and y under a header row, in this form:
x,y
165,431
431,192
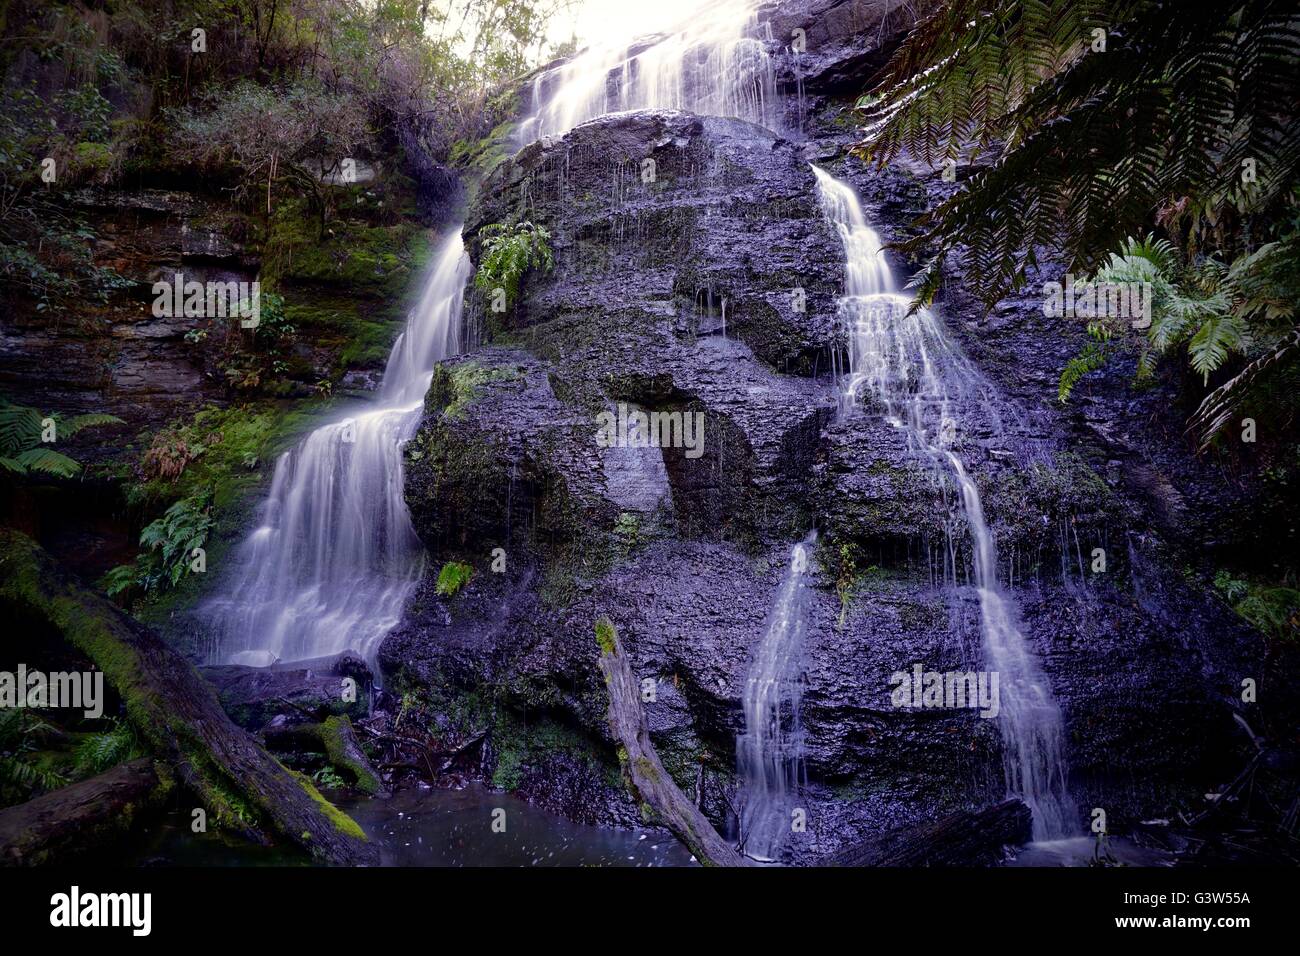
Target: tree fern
x,y
1088,145
22,447
1218,336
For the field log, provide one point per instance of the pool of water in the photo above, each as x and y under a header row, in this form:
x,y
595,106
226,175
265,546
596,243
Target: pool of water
x,y
1082,851
428,827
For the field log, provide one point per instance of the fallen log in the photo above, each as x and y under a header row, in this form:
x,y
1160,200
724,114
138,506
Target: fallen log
x,y
176,712
334,738
645,775
81,817
254,696
965,838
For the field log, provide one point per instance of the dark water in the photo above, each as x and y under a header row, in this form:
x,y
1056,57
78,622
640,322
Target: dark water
x,y
432,828
454,828
1082,851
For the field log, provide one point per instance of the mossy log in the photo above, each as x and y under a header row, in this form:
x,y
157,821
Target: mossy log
x,y
965,838
335,738
243,787
73,820
646,776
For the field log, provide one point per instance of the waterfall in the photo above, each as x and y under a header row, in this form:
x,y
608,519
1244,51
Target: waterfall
x,y
714,64
769,754
335,557
914,376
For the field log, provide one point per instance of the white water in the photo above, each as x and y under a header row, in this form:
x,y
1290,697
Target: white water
x,y
769,754
714,64
909,370
335,557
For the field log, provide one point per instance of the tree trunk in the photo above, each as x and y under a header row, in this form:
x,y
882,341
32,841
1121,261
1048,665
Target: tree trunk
x,y
177,712
60,825
646,776
337,740
966,838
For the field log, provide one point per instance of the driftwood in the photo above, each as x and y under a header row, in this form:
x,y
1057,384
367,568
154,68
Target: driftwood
x,y
175,711
68,822
966,838
646,776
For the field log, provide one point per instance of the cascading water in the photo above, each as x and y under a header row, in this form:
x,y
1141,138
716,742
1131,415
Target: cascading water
x,y
769,754
715,64
909,368
335,558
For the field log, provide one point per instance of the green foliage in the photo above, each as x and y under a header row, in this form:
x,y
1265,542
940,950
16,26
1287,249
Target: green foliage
x,y
169,544
22,450
1272,609
262,357
329,778
98,752
286,91
267,133
1216,311
627,529
507,252
453,576
45,249
21,775
1171,117
1094,355
846,578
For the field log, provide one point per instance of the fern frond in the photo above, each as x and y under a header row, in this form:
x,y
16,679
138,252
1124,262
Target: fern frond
x,y
48,461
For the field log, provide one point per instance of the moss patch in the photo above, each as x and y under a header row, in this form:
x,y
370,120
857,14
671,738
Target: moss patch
x,y
453,576
340,820
606,636
333,732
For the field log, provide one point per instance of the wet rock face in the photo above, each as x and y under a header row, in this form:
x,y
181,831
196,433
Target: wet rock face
x,y
844,41
500,461
681,292
685,555
117,356
700,223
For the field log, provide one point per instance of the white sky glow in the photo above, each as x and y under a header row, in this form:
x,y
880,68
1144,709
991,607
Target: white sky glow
x,y
598,22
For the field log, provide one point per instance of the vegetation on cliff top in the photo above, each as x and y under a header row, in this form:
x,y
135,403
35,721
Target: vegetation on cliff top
x,y
1110,119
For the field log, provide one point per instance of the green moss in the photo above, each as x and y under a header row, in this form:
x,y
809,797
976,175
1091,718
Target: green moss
x,y
453,576
521,745
332,735
358,331
91,157
606,636
340,820
456,386
478,157
508,774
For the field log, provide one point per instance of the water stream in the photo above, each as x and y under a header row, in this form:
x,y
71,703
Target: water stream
x,y
769,754
908,369
334,557
715,64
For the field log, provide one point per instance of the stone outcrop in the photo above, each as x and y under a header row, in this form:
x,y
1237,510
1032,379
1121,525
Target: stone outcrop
x,y
684,556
